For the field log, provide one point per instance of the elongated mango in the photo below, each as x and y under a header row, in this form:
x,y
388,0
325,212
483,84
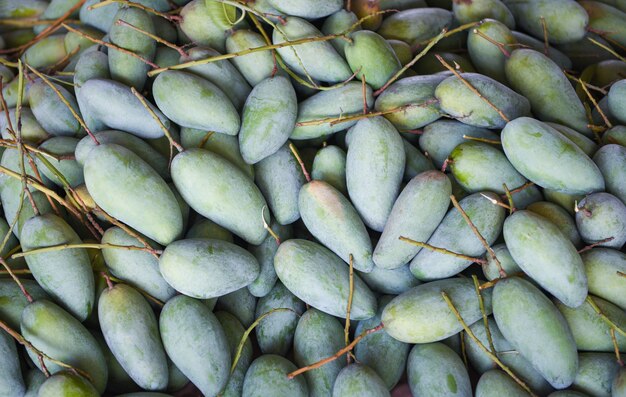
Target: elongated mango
x,y
264,253
602,266
266,377
601,216
371,58
436,370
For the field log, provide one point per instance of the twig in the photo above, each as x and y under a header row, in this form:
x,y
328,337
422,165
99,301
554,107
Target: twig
x,y
496,202
267,227
28,297
595,104
591,246
616,347
498,44
524,186
293,149
603,316
484,140
152,36
346,331
84,245
509,197
608,49
442,250
157,119
544,27
481,304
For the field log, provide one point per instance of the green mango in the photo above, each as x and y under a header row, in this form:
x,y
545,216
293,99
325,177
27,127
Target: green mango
x,y
584,53
568,393
536,329
10,245
23,8
307,9
590,331
205,228
619,383
113,172
417,25
496,383
111,105
55,332
596,372
379,344
165,57
118,380
254,67
275,333
321,279
234,331
565,20
416,213
454,234
240,303
359,380
11,383
546,157
337,23
331,218
600,216
101,18
429,64
402,50
417,96
264,253
491,269
421,315
415,162
601,266
343,101
457,100
46,52
67,383
329,166
606,19
266,377
219,191
605,73
33,380
488,57
90,65
76,44
318,335
564,200
206,22
31,131
611,160
557,56
50,112
374,168
479,10
10,91
65,275
69,168
617,100
616,135
587,145
561,219
203,268
394,281
199,348
369,55
434,369
318,59
13,302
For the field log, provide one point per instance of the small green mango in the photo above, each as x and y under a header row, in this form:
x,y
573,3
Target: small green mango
x,y
234,331
596,372
337,23
359,380
606,19
68,168
206,22
496,383
240,303
46,52
611,160
417,25
101,18
266,377
371,58
31,130
436,370
254,67
264,253
602,266
601,216
329,166
13,302
488,57
478,10
50,112
616,135
67,383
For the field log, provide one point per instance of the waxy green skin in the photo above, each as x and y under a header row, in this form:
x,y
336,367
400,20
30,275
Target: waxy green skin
x,y
113,172
118,380
206,22
619,382
587,145
275,333
557,215
457,100
233,331
90,65
321,279
50,112
11,244
549,159
590,331
374,169
402,50
416,162
33,379
421,315
596,372
412,93
332,219
67,383
266,377
204,268
254,67
416,213
69,168
11,382
616,135
320,60
329,165
184,97
454,234
605,18
489,58
557,56
31,131
478,10
46,52
307,9
436,370
240,303
617,100
611,160
601,216
551,96
101,18
394,281
65,275
429,64
56,333
268,118
318,335
13,302
371,56
415,25
131,332
264,253
205,228
195,341
496,383
111,105
601,266
340,102
219,191
280,178
359,380
339,22
536,329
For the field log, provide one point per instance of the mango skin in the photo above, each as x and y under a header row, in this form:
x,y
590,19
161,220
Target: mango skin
x,y
600,216
616,135
67,383
264,253
559,57
619,382
596,372
415,25
605,18
31,131
339,22
206,22
557,215
219,191
55,332
13,302
394,281
457,100
601,266
11,384
587,145
359,380
333,220
546,157
240,303
611,160
148,205
478,10
421,315
617,100
266,377
46,52
50,112
130,329
371,56
268,118
309,10
254,67
486,56
416,162
233,331
65,275
544,339
199,348
320,278
329,165
69,168
498,383
436,370
417,212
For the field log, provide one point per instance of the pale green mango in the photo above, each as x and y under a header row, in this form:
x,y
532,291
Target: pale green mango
x,y
69,168
337,23
13,302
264,253
50,112
101,18
240,303
266,377
587,145
416,25
549,159
536,329
491,269
416,213
457,100
67,383
496,383
118,380
204,228
596,372
200,348
611,160
11,383
429,64
65,275
339,102
421,315
317,59
606,19
617,135
561,219
307,9
371,56
33,380
329,166
601,216
583,52
31,131
359,380
617,100
402,50
564,200
234,331
488,57
165,57
10,91
127,188
219,191
416,162
46,52
55,332
90,64
321,279
394,281
454,234
331,218
11,161
478,10
601,266
557,56
434,369
206,22
254,67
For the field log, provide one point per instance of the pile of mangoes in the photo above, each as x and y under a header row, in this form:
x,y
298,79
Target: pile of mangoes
x,y
295,198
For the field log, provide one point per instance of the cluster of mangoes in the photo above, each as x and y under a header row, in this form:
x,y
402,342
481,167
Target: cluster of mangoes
x,y
313,198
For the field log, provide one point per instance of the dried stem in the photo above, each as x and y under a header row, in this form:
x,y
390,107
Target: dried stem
x,y
544,27
524,186
595,104
586,84
616,348
603,316
442,250
268,228
17,280
127,3
597,243
608,49
501,46
346,330
84,245
128,231
152,36
484,140
293,149
158,120
481,304
509,197
496,202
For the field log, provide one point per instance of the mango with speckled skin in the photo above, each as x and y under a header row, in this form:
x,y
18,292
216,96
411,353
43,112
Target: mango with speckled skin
x,y
536,329
254,67
264,253
199,349
496,383
547,158
602,266
266,377
416,25
67,383
477,10
371,56
11,383
329,165
436,370
50,112
488,57
359,380
69,168
601,216
421,315
457,100
557,215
